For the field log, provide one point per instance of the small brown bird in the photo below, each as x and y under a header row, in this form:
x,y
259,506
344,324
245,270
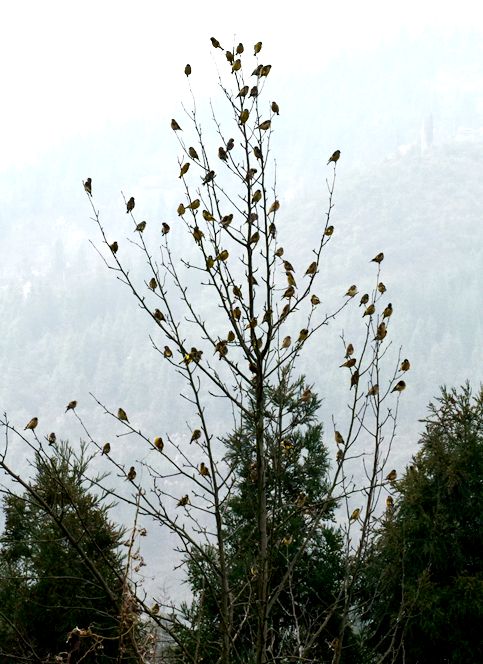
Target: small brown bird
x,y
301,499
274,207
152,283
314,300
291,279
354,379
236,66
88,186
348,363
339,456
265,125
184,169
223,255
352,290
131,476
306,395
239,49
121,415
392,475
243,91
373,390
32,424
244,115
381,288
187,70
364,299
71,405
159,315
222,153
196,435
165,228
52,438
106,449
349,350
204,472
405,365
339,439
141,226
114,247
209,177
303,334
286,342
369,311
175,126
194,205
230,145
181,210
355,514
377,259
130,205
334,157
182,502
275,108
192,153
215,42
265,70
312,269
387,313
167,352
158,443
254,91
399,387
230,57
381,332
329,231
289,292
389,504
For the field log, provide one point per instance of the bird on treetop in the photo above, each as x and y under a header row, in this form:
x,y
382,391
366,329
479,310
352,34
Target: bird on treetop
x,y
32,424
121,415
399,387
405,365
71,405
334,157
377,259
88,186
130,205
52,438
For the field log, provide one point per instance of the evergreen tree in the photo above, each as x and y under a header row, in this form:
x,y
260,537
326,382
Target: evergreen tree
x,y
60,566
423,587
305,548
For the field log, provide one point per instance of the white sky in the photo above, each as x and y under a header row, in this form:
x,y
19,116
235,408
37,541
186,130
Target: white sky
x,y
72,68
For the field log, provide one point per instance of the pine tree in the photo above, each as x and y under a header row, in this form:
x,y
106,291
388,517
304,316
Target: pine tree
x,y
56,533
423,587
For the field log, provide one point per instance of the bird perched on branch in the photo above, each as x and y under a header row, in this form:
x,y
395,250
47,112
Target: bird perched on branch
x,y
182,502
377,259
32,424
391,476
387,313
106,449
88,186
121,415
175,126
71,405
187,70
352,290
140,227
334,157
131,476
204,472
339,439
355,514
52,438
405,365
399,387
196,435
130,205
158,443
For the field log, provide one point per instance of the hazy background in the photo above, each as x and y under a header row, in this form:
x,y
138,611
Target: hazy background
x,y
89,90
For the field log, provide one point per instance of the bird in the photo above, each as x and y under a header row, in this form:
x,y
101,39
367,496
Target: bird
x,y
339,456
222,153
141,226
223,255
167,352
391,476
265,70
180,210
275,108
389,504
291,279
349,350
152,283
387,313
377,259
106,449
405,365
381,332
243,91
215,42
287,540
130,205
329,231
355,514
301,499
286,342
244,115
306,395
114,247
312,269
230,57
303,334
154,609
354,379
204,472
121,415
71,405
381,287
131,476
399,387
165,228
373,390
348,363
274,207
209,177
289,292
88,186
254,91
236,66
192,153
196,435
182,502
175,126
369,311
334,157
352,290
339,439
187,70
288,267
32,424
257,48
263,126
194,205
364,299
184,169
52,438
314,300
230,145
